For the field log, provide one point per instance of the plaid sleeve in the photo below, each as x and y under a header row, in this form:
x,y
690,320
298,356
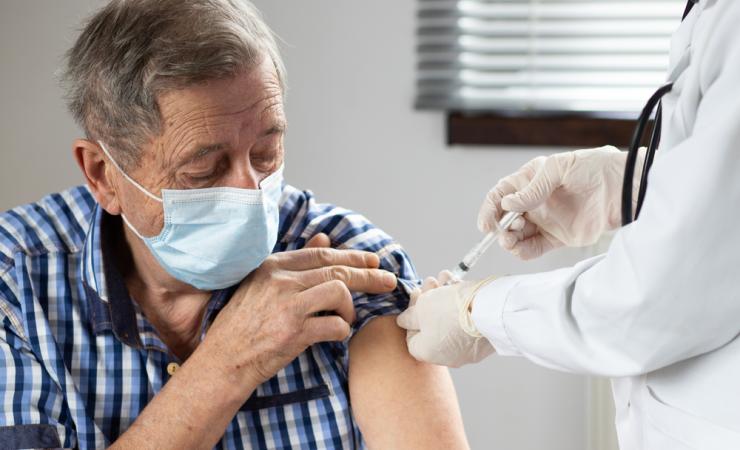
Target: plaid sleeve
x,y
348,230
31,402
393,259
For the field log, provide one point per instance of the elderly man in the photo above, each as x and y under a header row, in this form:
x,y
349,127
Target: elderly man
x,y
187,297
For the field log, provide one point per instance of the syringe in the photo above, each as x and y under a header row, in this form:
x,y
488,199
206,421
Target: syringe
x,y
472,257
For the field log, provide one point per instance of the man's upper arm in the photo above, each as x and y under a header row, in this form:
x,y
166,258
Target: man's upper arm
x,y
418,401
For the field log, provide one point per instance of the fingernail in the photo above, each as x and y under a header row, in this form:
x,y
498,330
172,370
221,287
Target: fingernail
x,y
371,259
389,279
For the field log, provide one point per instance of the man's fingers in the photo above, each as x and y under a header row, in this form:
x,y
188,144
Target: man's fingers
x,y
312,258
330,296
326,329
408,320
321,240
371,281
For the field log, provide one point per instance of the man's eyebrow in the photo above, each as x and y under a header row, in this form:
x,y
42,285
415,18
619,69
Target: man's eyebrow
x,y
202,151
275,129
205,150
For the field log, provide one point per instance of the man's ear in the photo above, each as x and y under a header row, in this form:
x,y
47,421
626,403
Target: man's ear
x,y
98,172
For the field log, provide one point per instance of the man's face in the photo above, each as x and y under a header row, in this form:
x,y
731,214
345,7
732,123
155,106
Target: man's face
x,y
225,133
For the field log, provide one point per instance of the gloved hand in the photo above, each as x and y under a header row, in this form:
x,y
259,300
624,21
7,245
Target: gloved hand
x,y
438,323
568,199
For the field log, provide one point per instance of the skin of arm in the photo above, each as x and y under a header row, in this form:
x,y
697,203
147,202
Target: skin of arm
x,y
399,402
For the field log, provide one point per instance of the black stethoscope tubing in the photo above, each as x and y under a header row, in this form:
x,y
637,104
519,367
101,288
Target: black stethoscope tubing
x,y
642,121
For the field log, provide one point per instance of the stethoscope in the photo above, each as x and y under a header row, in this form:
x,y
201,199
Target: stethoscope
x,y
642,121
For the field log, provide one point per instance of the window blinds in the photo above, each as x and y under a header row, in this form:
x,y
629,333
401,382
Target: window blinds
x,y
594,56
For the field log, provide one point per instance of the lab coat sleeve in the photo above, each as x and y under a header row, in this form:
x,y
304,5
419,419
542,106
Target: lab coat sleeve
x,y
668,288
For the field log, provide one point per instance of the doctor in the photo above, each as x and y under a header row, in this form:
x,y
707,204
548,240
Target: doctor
x,y
659,313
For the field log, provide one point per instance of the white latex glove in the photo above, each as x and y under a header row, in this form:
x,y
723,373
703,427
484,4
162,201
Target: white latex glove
x,y
568,198
438,323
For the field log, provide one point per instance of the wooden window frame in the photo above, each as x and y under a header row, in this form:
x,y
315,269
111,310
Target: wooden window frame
x,y
539,129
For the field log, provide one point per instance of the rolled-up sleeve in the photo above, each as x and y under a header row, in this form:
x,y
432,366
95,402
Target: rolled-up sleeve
x,y
302,218
368,307
362,235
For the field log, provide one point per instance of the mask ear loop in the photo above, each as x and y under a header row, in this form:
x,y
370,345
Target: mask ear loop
x,y
125,175
131,227
137,185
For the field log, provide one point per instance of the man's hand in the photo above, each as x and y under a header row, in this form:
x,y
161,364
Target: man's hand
x,y
567,199
272,317
438,326
268,322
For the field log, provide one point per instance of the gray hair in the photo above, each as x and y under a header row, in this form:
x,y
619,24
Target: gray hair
x,y
132,51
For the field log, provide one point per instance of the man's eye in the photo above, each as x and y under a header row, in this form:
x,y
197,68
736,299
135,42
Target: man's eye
x,y
265,162
199,178
265,166
204,176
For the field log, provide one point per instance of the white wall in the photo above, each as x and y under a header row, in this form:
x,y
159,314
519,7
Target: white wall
x,y
354,140
35,131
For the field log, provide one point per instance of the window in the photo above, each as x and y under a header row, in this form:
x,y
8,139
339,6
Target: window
x,y
502,67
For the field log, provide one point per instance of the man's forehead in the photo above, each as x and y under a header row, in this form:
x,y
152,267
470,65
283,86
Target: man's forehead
x,y
201,119
255,91
265,104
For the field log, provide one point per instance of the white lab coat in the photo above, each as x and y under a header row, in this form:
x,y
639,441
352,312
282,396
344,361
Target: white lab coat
x,y
659,313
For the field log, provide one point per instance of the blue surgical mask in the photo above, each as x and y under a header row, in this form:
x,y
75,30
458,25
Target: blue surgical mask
x,y
213,238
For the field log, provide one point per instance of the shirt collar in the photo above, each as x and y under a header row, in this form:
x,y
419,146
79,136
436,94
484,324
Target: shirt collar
x,y
110,307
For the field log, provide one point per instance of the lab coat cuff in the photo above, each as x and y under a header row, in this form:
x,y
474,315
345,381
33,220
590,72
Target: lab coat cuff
x,y
488,314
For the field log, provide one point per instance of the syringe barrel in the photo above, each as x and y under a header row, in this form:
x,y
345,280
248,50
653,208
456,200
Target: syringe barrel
x,y
508,219
472,257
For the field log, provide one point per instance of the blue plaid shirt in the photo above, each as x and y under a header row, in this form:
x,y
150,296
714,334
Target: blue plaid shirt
x,y
79,361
